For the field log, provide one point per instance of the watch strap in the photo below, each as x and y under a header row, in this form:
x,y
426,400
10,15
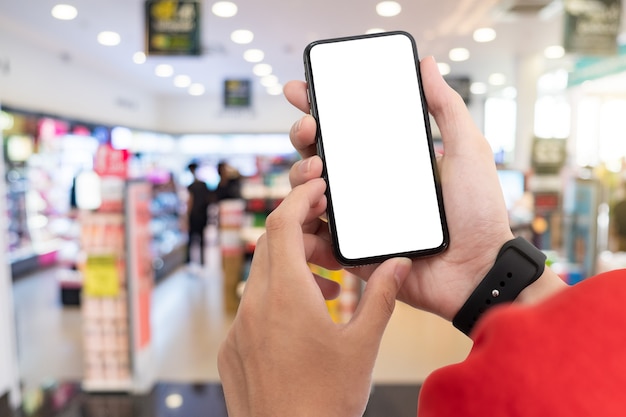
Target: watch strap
x,y
517,265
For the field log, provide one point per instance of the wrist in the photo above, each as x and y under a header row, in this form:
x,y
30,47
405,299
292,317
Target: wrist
x,y
517,266
548,284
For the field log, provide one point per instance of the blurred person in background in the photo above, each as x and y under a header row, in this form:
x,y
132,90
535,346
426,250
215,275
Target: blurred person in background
x,y
197,215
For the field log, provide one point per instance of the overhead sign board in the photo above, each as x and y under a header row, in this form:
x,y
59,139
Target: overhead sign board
x,y
172,27
237,93
592,26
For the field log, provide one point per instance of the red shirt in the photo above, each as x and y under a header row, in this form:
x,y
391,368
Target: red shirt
x,y
563,357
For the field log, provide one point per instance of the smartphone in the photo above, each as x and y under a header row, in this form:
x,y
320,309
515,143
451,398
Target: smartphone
x,y
384,193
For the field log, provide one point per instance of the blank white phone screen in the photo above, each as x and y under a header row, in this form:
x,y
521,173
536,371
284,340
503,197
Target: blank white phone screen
x,y
375,145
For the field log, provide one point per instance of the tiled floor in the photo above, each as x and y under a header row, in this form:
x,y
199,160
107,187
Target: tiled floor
x,y
194,400
188,324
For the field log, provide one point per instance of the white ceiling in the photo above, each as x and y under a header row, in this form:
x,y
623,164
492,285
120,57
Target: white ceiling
x,y
282,29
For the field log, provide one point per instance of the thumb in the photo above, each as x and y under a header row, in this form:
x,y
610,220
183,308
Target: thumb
x,y
458,130
379,298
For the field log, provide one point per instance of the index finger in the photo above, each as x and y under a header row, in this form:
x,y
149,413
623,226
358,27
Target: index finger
x,y
295,93
285,237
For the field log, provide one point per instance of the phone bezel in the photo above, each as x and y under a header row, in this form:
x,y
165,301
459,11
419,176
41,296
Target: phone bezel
x,y
351,262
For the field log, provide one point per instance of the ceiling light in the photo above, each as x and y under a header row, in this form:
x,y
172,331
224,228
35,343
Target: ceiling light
x,y
484,35
275,90
444,68
510,93
64,12
224,9
242,36
262,70
164,70
374,30
253,55
108,38
497,79
196,89
459,54
269,80
554,52
182,81
139,58
388,8
478,88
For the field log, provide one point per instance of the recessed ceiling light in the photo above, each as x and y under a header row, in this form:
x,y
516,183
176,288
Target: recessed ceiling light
x,y
164,70
388,8
253,55
242,36
224,9
139,58
64,12
196,89
484,35
497,79
275,90
444,68
554,52
374,30
262,70
182,81
269,80
108,38
459,54
478,88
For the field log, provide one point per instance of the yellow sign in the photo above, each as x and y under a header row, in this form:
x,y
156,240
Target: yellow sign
x,y
101,276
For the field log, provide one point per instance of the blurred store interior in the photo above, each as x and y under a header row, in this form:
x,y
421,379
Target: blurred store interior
x,y
104,106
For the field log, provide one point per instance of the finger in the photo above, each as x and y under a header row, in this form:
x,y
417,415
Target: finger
x,y
305,170
295,93
379,298
284,228
330,289
229,366
449,110
302,136
255,283
318,251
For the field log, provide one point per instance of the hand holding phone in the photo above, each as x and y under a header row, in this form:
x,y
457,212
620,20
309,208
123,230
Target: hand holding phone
x,y
374,138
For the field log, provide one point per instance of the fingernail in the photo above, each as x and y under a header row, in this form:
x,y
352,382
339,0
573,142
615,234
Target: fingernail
x,y
305,165
403,267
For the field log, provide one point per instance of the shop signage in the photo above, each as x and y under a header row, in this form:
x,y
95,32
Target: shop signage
x,y
591,26
548,155
110,162
101,276
172,27
237,94
592,68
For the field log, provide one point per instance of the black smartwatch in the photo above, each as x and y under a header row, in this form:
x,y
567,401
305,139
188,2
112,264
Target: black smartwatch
x,y
517,265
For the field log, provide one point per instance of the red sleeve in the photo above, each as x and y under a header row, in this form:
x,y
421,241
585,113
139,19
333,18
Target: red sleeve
x,y
563,357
